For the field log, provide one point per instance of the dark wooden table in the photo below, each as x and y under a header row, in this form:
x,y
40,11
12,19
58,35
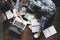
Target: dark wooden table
x,y
27,35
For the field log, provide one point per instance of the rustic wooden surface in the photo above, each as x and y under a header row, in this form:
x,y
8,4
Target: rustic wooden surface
x,y
27,35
